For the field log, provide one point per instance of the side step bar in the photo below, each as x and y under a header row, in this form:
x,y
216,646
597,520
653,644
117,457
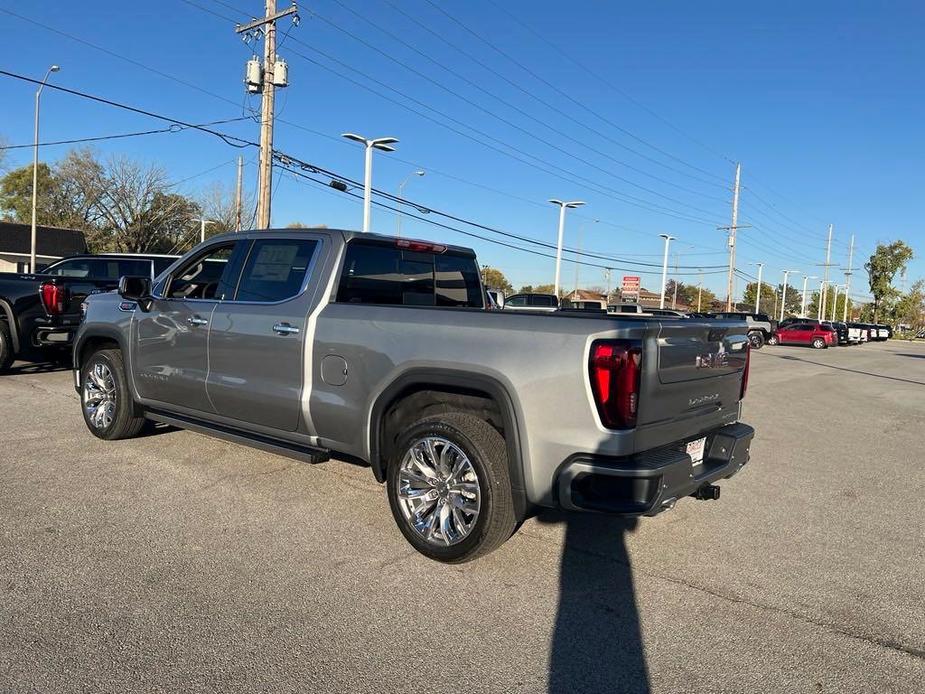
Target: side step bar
x,y
307,454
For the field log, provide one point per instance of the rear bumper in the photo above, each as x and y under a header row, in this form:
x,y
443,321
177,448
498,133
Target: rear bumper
x,y
647,483
53,336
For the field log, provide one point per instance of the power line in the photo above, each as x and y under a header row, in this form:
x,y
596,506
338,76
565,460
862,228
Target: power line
x,y
172,129
563,93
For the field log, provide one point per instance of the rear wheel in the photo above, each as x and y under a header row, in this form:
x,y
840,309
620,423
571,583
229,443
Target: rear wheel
x,y
105,398
773,340
818,343
756,340
449,487
6,346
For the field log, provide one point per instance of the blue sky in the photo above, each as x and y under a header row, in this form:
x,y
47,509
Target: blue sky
x,y
637,108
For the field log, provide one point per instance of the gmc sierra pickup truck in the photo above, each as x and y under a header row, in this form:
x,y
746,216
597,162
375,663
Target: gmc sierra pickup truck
x,y
39,313
380,350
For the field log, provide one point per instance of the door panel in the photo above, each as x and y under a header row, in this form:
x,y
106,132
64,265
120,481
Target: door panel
x,y
256,347
170,349
170,360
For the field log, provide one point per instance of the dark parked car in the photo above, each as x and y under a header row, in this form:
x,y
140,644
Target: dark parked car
x,y
812,334
532,302
39,313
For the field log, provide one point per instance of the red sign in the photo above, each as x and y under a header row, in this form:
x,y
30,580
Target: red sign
x,y
630,284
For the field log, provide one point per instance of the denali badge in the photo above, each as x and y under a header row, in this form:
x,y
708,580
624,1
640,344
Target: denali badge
x,y
702,400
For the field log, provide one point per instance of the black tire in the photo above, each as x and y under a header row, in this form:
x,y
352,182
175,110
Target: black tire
x,y
6,346
756,340
773,340
818,343
123,420
486,450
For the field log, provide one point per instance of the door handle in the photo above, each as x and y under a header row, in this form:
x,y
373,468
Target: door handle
x,y
285,329
196,320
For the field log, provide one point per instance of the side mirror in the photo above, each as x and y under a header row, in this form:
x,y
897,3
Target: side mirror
x,y
135,288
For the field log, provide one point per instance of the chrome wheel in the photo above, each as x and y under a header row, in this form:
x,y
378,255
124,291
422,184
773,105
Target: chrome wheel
x,y
99,395
438,491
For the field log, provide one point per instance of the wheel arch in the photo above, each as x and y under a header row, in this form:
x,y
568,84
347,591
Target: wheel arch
x,y
7,311
455,384
90,342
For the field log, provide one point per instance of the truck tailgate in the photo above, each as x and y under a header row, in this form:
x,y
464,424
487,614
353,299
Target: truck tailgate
x,y
697,370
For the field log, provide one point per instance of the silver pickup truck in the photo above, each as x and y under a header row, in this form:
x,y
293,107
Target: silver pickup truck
x,y
381,350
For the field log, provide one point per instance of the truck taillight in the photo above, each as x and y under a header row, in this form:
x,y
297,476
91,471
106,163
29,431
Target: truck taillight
x,y
615,368
54,298
748,361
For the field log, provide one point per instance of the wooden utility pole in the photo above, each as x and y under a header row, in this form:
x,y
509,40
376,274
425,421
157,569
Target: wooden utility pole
x,y
238,202
267,86
848,278
730,284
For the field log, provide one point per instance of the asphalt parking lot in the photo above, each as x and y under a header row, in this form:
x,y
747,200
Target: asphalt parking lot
x,y
177,562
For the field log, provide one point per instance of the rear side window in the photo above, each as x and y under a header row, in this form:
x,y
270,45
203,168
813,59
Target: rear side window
x,y
275,269
376,273
543,301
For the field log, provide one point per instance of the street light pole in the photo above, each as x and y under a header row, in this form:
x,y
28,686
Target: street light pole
x,y
203,222
401,188
783,299
834,302
758,293
819,303
382,143
562,207
35,166
668,240
806,279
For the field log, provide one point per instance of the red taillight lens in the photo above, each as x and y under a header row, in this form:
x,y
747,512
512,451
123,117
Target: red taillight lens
x,y
615,368
54,298
748,362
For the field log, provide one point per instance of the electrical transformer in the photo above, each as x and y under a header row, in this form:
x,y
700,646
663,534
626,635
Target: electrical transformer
x,y
280,73
253,76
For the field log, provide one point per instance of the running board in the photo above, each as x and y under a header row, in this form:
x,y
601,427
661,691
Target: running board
x,y
307,454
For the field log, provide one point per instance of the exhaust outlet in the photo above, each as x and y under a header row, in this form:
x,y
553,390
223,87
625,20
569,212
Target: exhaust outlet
x,y
708,492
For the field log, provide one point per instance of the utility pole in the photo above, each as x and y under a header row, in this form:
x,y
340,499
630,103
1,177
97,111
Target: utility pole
x,y
265,79
730,285
848,277
674,298
238,201
825,274
699,290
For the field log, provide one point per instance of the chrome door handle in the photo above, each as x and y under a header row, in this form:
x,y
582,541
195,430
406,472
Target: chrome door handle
x,y
285,329
196,320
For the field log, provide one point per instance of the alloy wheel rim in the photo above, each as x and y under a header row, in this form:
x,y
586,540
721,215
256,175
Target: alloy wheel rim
x,y
99,396
438,491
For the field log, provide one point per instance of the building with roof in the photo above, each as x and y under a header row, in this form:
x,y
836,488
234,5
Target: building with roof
x,y
51,244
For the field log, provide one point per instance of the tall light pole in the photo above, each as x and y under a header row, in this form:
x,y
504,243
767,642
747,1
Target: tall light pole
x,y
35,165
581,233
562,207
382,143
834,302
806,279
783,299
401,188
668,240
203,222
699,290
758,293
819,303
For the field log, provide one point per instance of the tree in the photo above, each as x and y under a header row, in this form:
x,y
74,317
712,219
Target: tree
x,y
910,309
768,297
55,203
882,267
495,279
687,295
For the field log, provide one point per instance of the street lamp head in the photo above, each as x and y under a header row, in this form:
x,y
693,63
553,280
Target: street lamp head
x,y
556,202
667,237
383,143
54,68
420,172
354,137
383,148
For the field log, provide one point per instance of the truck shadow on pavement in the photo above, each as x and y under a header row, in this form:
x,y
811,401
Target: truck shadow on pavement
x,y
597,641
842,368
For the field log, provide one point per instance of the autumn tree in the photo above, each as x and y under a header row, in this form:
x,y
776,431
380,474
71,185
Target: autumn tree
x,y
882,267
493,278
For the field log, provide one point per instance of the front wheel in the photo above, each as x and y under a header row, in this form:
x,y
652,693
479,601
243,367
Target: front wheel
x,y
756,340
6,346
105,398
773,340
818,343
449,487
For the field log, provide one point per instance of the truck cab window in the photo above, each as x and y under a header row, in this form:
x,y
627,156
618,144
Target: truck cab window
x,y
200,277
275,270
